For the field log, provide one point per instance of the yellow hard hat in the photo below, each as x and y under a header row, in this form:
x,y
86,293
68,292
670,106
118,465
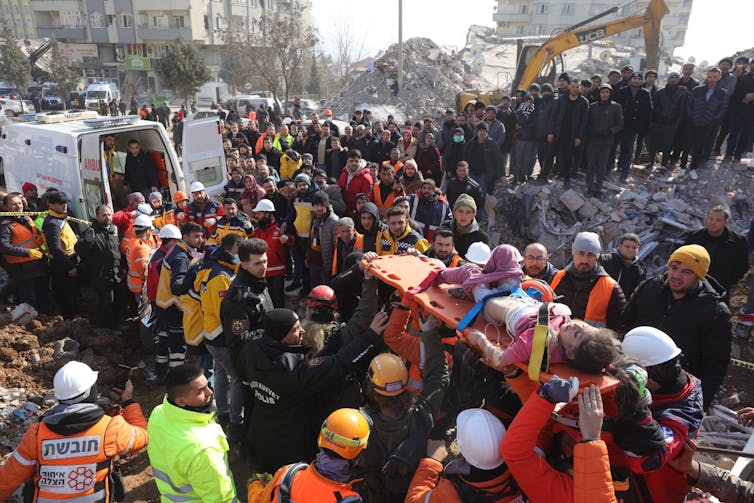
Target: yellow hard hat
x,y
345,432
388,374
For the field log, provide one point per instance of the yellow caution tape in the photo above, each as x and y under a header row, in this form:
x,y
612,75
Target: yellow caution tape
x,y
741,363
37,213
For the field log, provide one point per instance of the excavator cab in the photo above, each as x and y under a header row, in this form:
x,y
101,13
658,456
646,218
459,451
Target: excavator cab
x,y
547,74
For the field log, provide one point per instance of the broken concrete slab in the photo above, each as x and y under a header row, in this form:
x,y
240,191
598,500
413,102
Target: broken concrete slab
x,y
572,200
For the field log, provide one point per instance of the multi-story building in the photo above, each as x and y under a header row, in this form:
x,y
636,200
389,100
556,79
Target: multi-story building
x,y
524,17
131,35
18,13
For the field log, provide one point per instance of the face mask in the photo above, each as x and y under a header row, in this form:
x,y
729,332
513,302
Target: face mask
x,y
458,139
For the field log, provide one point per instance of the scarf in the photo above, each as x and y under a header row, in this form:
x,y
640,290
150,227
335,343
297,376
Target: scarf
x,y
503,264
333,468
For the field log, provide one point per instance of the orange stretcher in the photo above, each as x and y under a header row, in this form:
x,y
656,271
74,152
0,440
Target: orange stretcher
x,y
406,272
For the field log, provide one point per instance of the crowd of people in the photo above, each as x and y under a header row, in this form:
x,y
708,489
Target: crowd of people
x,y
356,394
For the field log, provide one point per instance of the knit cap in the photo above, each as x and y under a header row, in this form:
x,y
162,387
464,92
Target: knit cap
x,y
587,242
693,256
465,200
278,322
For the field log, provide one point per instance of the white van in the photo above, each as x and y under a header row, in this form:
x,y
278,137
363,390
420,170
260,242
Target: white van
x,y
105,91
65,151
212,92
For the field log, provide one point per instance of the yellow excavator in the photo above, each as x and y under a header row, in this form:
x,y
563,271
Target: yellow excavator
x,y
536,63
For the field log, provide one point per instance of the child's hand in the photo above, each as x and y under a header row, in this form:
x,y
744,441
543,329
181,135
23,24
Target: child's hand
x,y
746,416
476,338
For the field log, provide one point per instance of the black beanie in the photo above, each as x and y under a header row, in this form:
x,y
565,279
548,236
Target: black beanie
x,y
278,322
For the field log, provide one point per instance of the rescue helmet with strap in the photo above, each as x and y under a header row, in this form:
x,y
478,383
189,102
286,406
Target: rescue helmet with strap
x,y
170,231
478,253
73,379
538,289
479,434
388,374
650,346
345,432
142,222
322,296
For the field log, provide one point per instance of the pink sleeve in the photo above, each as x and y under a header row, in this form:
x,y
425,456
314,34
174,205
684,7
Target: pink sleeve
x,y
457,275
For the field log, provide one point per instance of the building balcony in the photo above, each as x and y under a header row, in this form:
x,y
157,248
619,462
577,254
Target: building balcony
x,y
511,17
155,33
61,32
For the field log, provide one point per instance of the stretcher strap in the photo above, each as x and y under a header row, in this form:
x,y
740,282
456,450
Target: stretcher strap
x,y
426,283
540,351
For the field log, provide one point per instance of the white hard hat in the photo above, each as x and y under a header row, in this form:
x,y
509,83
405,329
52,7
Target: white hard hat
x,y
478,434
650,346
73,379
264,205
478,253
196,186
144,209
143,221
287,121
170,231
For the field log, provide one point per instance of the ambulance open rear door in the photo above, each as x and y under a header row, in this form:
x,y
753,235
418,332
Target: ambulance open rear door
x,y
203,156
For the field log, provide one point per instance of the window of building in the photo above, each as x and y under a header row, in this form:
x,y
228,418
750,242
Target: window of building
x,y
179,22
159,21
569,9
538,29
524,9
125,21
541,8
520,29
97,20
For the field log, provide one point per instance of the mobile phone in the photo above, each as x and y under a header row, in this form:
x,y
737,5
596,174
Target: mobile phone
x,y
122,375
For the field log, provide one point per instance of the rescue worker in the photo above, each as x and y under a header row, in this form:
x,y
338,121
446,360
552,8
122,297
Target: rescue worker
x,y
135,252
188,449
278,244
100,255
480,474
162,212
61,242
536,264
212,283
383,193
624,265
586,288
68,455
23,259
401,421
174,281
428,209
287,387
342,438
347,241
203,210
232,222
399,237
676,406
443,248
181,201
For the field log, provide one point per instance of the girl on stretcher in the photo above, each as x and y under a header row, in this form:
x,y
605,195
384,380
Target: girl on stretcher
x,y
586,348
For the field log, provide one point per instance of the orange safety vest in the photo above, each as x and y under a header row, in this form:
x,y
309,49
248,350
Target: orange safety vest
x,y
137,257
23,237
72,468
309,485
416,369
599,298
358,247
377,196
454,261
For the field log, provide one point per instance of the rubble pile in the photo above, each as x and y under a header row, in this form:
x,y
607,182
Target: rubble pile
x,y
431,79
659,208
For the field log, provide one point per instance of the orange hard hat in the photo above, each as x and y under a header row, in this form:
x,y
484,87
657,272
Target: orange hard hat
x,y
179,196
328,113
345,432
538,289
322,296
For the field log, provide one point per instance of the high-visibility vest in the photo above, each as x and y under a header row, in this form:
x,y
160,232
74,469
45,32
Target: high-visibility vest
x,y
599,298
137,253
23,237
358,247
72,468
309,485
382,207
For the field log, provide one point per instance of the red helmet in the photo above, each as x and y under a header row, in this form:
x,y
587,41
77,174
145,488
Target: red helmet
x,y
322,296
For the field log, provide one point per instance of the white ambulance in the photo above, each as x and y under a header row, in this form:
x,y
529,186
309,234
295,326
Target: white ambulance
x,y
65,151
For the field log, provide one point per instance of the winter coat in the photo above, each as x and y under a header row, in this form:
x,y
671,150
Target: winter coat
x,y
429,214
411,185
526,124
669,105
407,152
605,121
463,239
322,236
628,275
637,108
703,113
591,480
498,131
429,161
546,109
576,292
360,183
101,258
579,119
699,323
508,120
485,161
729,255
469,186
31,268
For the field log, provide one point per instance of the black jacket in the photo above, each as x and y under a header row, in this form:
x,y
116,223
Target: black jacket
x,y
464,239
669,105
575,290
242,309
287,389
452,155
469,186
101,257
485,161
637,108
141,173
699,323
579,119
546,109
729,255
628,275
703,113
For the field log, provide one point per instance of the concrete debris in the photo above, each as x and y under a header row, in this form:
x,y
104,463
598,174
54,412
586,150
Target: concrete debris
x,y
431,79
66,348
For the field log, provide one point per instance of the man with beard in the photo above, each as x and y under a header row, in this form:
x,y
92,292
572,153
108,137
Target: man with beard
x,y
203,210
399,236
278,242
355,179
464,225
586,287
537,264
443,249
322,240
668,107
383,193
428,209
624,265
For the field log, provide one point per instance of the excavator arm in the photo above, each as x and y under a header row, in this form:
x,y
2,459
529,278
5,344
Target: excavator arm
x,y
650,21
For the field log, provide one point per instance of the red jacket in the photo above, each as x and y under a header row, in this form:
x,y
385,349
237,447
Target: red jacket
x,y
276,253
541,482
360,183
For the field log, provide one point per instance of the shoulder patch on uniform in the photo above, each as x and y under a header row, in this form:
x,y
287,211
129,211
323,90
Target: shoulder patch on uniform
x,y
315,362
222,293
238,327
668,434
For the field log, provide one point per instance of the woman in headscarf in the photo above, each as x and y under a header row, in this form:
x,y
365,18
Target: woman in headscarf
x,y
251,194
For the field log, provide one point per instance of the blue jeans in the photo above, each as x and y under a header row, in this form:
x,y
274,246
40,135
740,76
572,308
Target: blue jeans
x,y
228,386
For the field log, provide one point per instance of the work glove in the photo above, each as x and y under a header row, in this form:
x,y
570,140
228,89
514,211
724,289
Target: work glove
x,y
428,323
210,222
36,254
89,235
247,224
559,390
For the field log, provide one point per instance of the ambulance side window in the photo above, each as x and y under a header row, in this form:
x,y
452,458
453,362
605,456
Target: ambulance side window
x,y
93,197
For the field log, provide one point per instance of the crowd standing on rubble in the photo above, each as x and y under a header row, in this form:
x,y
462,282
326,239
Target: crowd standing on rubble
x,y
357,396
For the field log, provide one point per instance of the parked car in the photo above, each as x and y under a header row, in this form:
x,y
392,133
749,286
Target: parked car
x,y
50,101
240,102
201,114
12,107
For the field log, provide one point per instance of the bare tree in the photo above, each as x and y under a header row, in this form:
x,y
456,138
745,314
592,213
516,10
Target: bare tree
x,y
273,49
349,44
